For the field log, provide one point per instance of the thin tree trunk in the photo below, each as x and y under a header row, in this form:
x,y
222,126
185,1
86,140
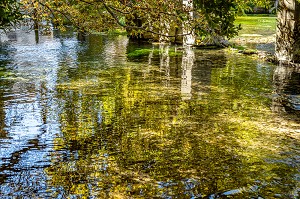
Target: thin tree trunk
x,y
36,26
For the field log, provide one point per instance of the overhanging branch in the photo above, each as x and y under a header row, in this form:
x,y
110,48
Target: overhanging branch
x,y
115,17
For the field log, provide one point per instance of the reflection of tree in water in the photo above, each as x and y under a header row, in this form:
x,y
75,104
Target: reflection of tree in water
x,y
135,136
149,150
97,52
205,62
26,100
287,85
25,184
5,59
3,133
188,59
286,101
140,129
129,133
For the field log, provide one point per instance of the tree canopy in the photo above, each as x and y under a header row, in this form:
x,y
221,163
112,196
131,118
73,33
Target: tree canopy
x,y
157,17
205,18
246,5
9,13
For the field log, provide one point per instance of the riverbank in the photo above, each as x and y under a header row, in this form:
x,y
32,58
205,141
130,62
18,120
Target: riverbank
x,y
258,32
257,36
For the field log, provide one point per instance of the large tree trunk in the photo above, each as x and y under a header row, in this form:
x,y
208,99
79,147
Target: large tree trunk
x,y
288,32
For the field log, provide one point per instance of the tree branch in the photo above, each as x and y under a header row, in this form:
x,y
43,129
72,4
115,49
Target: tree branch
x,y
139,28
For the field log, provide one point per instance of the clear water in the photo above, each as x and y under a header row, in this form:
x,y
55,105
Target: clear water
x,y
107,118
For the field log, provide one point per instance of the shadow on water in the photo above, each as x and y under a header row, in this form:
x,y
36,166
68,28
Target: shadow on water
x,y
286,79
106,118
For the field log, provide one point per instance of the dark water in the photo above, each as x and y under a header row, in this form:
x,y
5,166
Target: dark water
x,y
107,118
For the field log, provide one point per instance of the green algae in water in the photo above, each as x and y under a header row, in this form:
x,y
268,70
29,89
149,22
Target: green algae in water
x,y
160,142
194,125
145,52
7,75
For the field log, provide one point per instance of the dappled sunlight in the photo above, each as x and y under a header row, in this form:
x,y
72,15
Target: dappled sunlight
x,y
149,122
257,33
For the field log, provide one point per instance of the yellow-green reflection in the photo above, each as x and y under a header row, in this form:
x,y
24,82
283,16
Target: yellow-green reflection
x,y
183,126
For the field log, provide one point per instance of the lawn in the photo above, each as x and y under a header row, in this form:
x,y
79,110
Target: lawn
x,y
257,25
258,32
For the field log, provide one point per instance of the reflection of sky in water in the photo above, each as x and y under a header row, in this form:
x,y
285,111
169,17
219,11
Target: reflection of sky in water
x,y
39,106
188,184
32,110
31,113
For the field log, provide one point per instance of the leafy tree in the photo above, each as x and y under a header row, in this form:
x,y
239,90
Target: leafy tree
x,y
142,17
247,5
155,17
219,16
9,13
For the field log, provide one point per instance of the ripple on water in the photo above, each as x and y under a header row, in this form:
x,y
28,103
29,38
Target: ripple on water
x,y
82,119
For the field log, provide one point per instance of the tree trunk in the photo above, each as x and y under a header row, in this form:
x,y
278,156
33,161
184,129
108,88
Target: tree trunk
x,y
36,25
188,39
288,32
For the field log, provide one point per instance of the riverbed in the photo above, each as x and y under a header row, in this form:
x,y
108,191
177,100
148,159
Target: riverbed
x,y
109,118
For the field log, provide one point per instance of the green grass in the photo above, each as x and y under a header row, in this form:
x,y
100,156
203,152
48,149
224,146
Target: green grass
x,y
117,32
256,24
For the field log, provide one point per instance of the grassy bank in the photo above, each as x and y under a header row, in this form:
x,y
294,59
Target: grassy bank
x,y
258,25
258,32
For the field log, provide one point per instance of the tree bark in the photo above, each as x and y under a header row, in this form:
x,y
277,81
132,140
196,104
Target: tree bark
x,y
188,39
288,32
36,25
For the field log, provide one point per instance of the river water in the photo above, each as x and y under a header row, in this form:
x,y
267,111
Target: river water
x,y
107,118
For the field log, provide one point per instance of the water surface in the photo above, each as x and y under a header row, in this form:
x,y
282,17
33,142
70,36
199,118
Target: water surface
x,y
107,118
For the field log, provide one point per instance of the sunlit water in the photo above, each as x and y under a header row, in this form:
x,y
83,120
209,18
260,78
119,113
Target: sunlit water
x,y
106,118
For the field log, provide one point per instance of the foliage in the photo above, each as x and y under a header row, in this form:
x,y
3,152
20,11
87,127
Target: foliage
x,y
155,17
130,133
219,16
139,18
117,129
247,5
9,13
